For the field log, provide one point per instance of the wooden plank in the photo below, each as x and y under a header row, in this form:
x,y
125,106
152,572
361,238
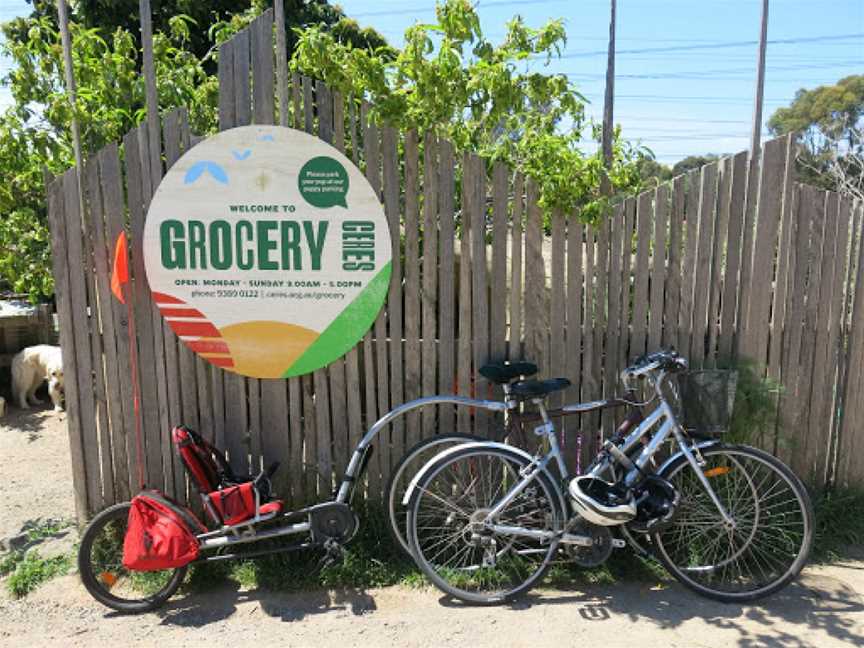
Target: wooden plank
x,y
516,227
590,386
764,251
625,316
476,181
849,472
842,404
535,279
575,245
308,103
297,470
789,404
174,348
430,278
557,366
818,436
281,61
617,245
813,203
688,276
104,351
264,109
123,426
463,347
242,90
671,332
446,284
412,285
275,432
749,233
92,212
143,316
721,227
392,190
704,249
295,99
825,450
65,309
658,267
324,110
498,298
731,278
601,283
311,481
341,424
784,255
379,386
227,110
115,217
640,281
255,445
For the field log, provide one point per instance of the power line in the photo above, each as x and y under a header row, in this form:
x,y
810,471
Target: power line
x,y
722,45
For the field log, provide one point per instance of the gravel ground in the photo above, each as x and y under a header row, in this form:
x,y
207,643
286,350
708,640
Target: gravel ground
x,y
824,608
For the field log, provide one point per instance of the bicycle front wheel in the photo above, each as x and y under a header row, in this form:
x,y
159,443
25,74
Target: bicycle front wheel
x,y
100,563
770,537
404,472
455,549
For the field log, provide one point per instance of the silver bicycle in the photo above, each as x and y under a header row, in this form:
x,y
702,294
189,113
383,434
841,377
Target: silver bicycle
x,y
485,520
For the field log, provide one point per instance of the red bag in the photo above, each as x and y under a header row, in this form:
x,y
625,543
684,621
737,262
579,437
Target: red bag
x,y
160,534
235,503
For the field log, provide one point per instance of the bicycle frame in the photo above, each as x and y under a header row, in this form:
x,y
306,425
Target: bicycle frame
x,y
611,456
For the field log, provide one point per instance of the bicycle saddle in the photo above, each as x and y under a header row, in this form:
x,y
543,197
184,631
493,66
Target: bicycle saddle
x,y
501,373
536,388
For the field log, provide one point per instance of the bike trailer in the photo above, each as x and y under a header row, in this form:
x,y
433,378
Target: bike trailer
x,y
160,534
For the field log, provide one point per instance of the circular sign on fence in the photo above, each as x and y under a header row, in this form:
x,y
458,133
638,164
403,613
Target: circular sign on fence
x,y
267,251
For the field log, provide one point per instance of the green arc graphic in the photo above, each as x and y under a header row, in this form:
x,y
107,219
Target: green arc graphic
x,y
344,331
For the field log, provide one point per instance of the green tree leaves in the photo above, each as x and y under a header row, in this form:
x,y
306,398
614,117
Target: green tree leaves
x,y
450,79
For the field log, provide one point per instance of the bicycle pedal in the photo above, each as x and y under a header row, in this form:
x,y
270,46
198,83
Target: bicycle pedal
x,y
618,543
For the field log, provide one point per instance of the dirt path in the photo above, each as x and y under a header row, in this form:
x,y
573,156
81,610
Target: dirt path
x,y
36,481
826,608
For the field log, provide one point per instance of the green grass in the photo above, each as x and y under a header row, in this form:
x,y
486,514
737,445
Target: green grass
x,y
31,570
839,524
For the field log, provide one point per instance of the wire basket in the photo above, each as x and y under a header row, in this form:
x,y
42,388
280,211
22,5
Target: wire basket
x,y
706,401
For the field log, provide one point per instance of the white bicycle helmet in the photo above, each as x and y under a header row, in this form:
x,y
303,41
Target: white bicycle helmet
x,y
599,502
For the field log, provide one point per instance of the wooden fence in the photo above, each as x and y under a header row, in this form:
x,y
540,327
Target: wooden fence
x,y
713,264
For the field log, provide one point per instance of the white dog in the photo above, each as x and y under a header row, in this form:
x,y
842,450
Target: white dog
x,y
32,366
2,407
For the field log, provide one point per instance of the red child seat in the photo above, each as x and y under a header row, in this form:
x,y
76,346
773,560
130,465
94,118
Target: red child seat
x,y
232,497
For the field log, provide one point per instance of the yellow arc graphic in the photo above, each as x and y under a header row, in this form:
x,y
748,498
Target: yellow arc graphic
x,y
265,348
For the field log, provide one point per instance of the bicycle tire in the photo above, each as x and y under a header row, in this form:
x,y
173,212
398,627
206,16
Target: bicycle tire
x,y
737,454
96,586
395,510
554,518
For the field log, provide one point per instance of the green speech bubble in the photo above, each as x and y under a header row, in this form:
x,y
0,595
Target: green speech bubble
x,y
323,182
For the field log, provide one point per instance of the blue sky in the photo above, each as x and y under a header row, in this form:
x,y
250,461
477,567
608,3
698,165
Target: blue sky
x,y
693,97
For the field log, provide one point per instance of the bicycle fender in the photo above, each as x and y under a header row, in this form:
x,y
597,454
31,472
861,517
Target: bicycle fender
x,y
484,444
678,455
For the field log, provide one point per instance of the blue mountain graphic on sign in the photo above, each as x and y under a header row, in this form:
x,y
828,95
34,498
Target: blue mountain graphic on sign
x,y
197,169
242,155
265,138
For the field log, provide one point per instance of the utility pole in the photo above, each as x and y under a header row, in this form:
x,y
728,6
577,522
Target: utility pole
x,y
66,41
609,100
756,133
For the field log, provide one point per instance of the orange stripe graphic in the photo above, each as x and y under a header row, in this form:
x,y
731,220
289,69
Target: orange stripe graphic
x,y
181,312
199,329
208,346
162,298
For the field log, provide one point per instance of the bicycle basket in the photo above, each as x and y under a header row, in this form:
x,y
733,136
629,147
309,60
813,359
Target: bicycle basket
x,y
707,398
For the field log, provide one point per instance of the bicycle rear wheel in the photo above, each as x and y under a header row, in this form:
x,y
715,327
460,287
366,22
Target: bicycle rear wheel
x,y
452,546
765,548
404,472
100,563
